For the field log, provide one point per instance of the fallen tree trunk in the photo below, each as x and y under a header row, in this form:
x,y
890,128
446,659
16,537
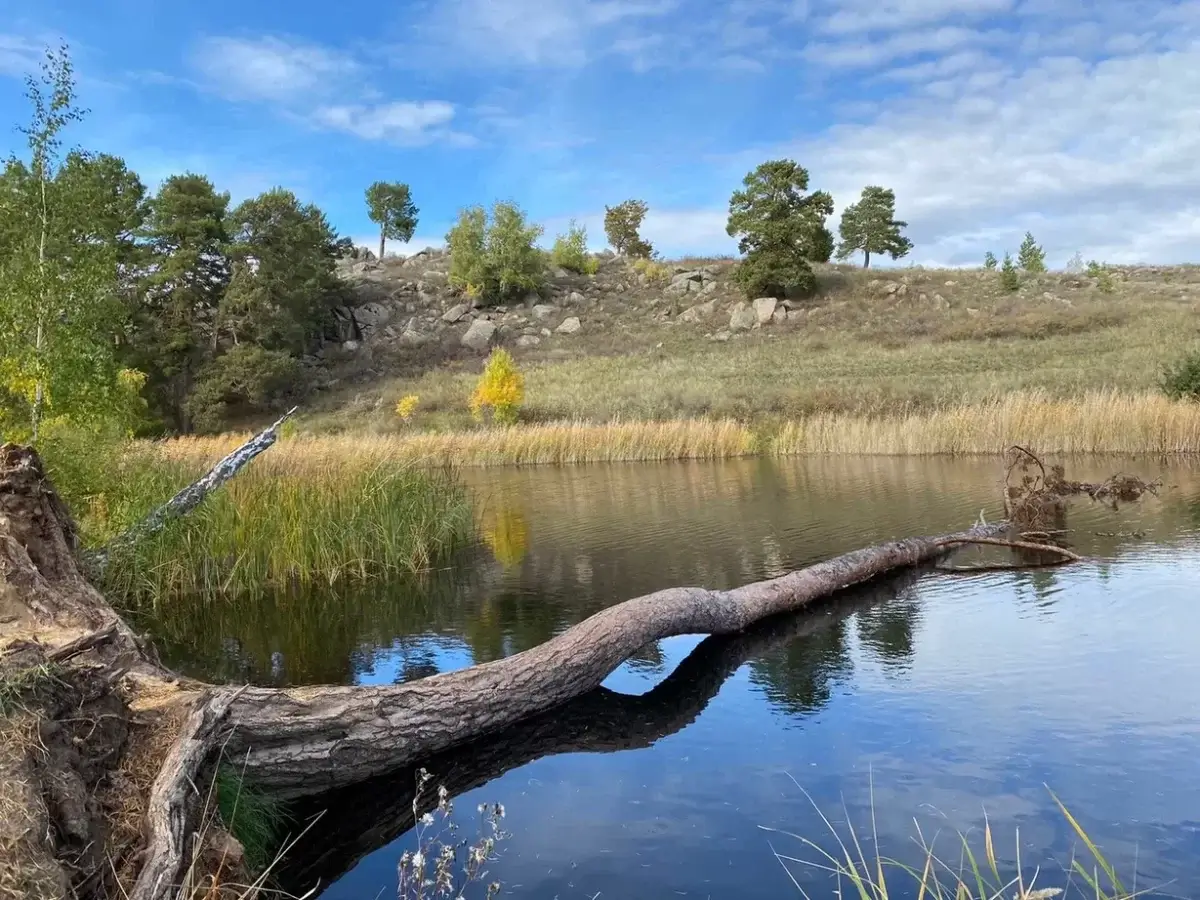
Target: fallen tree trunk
x,y
303,741
357,820
309,740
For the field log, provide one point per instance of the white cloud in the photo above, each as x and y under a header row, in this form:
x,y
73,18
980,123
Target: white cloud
x,y
1093,153
301,78
270,68
401,122
537,33
863,54
852,17
18,55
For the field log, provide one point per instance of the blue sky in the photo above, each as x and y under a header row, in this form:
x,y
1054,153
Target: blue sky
x,y
1076,119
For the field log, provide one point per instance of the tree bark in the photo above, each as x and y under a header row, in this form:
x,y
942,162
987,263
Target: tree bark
x,y
866,259
305,741
382,240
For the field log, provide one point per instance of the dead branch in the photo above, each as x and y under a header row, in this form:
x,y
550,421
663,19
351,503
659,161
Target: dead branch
x,y
193,495
1066,554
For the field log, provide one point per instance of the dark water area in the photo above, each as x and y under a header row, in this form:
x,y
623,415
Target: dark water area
x,y
931,697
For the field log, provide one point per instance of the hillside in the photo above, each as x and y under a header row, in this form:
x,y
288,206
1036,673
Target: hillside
x,y
621,344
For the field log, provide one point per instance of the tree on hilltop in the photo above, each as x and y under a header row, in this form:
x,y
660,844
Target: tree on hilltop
x,y
1030,256
870,226
390,206
780,229
621,225
498,259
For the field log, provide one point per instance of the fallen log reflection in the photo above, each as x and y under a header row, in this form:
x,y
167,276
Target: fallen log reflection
x,y
354,822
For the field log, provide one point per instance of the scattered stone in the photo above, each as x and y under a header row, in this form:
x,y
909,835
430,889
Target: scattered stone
x,y
569,325
699,312
543,311
455,313
721,335
575,299
891,288
350,345
479,336
546,332
742,317
528,340
764,308
779,316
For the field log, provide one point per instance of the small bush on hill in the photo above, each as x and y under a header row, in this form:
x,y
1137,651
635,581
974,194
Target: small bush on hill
x,y
655,272
1010,280
1181,381
570,251
1103,276
500,390
989,261
495,260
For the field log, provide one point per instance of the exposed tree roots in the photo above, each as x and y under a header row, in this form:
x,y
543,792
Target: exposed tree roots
x,y
305,741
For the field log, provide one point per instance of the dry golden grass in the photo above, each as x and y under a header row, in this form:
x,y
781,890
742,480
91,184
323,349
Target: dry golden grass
x,y
557,443
1098,422
1105,421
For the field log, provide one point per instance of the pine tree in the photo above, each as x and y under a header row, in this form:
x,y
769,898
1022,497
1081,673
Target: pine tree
x,y
1010,280
870,226
1030,256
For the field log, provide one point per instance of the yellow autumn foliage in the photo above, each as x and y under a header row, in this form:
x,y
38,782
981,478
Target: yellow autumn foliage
x,y
500,390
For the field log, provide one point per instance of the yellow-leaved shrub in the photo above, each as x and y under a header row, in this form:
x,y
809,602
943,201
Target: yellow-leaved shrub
x,y
500,391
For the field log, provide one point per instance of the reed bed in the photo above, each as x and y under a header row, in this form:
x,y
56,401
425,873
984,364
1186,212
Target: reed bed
x,y
273,525
555,443
1096,422
273,529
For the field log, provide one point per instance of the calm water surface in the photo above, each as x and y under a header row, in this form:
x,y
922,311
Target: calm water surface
x,y
942,695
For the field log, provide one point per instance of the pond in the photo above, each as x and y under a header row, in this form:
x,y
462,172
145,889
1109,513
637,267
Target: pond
x,y
921,701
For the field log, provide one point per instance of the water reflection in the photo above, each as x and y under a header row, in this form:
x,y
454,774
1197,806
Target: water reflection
x,y
956,694
607,533
790,656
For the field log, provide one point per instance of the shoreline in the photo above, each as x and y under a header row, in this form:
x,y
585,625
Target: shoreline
x,y
1096,423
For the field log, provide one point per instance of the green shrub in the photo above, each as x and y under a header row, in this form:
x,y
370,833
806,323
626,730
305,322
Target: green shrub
x,y
1010,279
1181,381
495,261
767,274
244,381
570,251
655,271
1103,276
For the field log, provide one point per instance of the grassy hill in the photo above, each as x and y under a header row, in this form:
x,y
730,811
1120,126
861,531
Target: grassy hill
x,y
876,342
